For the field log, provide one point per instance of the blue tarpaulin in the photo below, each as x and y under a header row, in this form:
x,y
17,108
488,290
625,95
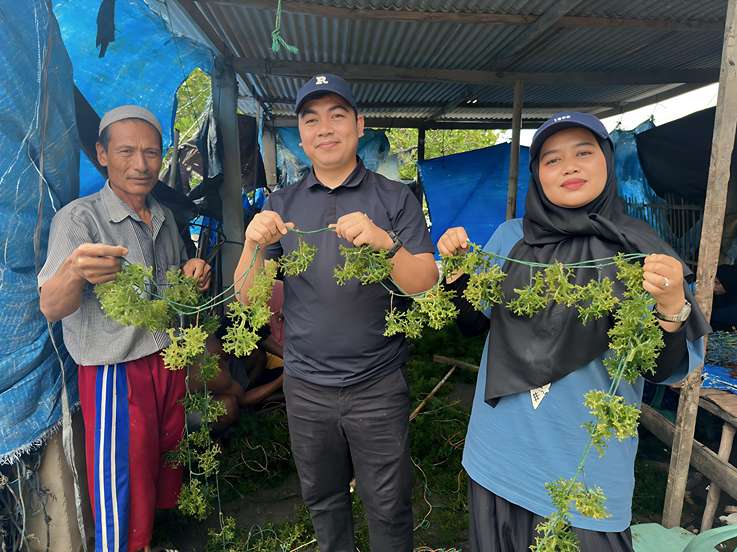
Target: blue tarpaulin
x,y
37,132
41,62
470,190
144,65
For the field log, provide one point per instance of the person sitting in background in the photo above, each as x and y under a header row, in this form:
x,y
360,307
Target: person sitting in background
x,y
724,310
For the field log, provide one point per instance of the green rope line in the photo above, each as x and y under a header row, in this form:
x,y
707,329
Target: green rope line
x,y
230,292
277,40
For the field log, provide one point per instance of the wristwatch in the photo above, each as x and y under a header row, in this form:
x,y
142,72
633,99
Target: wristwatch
x,y
396,244
681,316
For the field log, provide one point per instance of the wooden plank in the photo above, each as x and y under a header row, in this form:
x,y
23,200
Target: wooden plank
x,y
704,460
390,73
712,498
707,404
473,18
440,359
514,151
711,236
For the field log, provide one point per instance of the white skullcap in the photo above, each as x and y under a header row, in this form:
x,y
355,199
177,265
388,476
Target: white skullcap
x,y
129,112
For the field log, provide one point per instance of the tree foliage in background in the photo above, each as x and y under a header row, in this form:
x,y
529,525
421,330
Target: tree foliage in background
x,y
438,143
193,98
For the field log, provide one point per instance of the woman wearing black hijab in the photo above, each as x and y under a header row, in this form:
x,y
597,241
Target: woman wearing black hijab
x,y
525,427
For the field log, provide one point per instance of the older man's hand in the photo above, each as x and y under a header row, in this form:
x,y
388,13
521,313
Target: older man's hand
x,y
200,271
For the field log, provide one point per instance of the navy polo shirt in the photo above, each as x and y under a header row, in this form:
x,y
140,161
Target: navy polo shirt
x,y
334,335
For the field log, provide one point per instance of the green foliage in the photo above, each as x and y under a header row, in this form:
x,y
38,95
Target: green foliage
x,y
409,322
242,337
184,348
436,306
635,340
532,299
209,365
612,417
297,261
181,290
126,299
209,408
437,143
195,499
364,264
597,299
555,533
484,289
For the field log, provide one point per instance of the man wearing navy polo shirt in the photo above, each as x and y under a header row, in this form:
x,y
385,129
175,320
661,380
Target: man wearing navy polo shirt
x,y
347,398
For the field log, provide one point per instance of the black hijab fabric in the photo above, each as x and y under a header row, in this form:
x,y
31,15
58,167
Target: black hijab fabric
x,y
525,353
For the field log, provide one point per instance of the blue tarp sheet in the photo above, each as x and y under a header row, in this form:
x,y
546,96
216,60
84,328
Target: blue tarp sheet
x,y
145,65
30,374
470,190
718,377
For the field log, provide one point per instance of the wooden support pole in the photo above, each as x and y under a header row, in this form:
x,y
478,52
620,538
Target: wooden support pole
x,y
712,499
174,162
268,142
722,145
514,154
420,144
224,98
431,394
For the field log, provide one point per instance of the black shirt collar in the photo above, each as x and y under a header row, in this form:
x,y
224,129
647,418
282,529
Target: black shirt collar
x,y
353,180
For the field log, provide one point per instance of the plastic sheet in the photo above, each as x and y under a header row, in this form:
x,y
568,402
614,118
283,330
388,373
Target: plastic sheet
x,y
470,190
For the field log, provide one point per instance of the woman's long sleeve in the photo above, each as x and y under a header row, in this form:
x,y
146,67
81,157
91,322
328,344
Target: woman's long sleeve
x,y
470,321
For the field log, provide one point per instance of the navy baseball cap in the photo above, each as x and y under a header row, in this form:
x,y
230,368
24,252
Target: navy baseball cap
x,y
566,119
324,84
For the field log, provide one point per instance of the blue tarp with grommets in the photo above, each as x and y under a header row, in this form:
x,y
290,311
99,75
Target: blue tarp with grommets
x,y
470,190
43,56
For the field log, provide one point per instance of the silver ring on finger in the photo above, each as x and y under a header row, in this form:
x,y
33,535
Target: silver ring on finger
x,y
666,282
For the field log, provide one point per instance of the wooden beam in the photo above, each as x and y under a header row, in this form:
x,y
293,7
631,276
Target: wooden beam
x,y
421,145
704,459
522,44
471,18
402,122
224,99
389,73
725,124
575,106
514,151
268,142
440,359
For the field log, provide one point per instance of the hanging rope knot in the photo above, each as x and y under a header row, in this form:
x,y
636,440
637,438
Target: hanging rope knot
x,y
277,40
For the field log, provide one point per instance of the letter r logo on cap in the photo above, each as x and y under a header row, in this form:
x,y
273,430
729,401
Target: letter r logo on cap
x,y
321,80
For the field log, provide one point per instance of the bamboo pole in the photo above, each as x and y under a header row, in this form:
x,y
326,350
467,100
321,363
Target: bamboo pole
x,y
723,139
514,153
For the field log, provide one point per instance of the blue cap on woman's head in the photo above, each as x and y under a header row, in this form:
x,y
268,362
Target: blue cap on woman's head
x,y
566,119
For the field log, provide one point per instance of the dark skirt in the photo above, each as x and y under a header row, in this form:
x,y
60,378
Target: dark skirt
x,y
497,525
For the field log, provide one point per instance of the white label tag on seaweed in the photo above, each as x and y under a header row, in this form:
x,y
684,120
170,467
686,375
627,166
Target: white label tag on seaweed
x,y
538,394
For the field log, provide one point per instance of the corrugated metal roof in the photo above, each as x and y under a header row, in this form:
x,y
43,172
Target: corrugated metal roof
x,y
608,45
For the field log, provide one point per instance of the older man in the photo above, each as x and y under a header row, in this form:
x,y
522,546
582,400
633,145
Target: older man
x,y
130,402
347,398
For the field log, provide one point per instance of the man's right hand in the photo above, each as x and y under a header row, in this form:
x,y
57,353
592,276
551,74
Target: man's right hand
x,y
96,263
266,228
454,241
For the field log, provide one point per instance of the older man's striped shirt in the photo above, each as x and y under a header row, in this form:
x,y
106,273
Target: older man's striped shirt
x,y
91,337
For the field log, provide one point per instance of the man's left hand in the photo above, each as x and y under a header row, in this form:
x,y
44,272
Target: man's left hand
x,y
200,271
359,229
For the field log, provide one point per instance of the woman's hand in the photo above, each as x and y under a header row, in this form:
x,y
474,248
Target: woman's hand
x,y
663,279
454,241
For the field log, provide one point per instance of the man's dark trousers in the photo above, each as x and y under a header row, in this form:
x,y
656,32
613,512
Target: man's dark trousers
x,y
361,430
